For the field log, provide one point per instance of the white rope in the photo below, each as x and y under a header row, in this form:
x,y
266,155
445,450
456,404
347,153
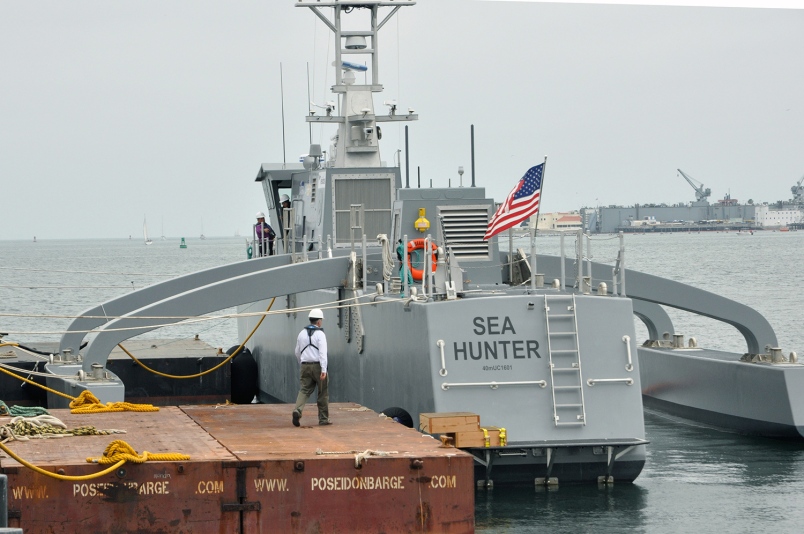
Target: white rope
x,y
360,457
333,305
40,420
29,373
387,257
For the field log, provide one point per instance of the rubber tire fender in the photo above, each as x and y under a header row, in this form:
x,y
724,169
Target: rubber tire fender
x,y
245,376
400,415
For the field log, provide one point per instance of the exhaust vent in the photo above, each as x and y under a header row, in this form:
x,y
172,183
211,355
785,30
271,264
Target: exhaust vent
x,y
464,228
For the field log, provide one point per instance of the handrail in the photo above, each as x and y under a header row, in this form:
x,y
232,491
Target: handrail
x,y
493,385
443,370
626,381
629,366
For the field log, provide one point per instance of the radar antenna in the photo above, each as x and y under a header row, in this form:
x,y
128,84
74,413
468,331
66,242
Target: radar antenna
x,y
701,194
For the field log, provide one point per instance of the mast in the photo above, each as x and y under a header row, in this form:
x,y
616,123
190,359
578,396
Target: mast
x,y
356,143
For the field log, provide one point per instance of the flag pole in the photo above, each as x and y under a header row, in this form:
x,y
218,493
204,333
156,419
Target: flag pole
x,y
533,233
511,256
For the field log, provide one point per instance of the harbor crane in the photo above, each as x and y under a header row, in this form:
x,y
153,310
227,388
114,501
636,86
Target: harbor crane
x,y
798,191
701,194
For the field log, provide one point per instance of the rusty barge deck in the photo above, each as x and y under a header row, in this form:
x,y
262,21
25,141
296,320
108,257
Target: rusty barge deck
x,y
250,471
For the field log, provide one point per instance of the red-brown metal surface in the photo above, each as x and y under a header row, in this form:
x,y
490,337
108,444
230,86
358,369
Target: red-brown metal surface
x,y
151,497
301,486
250,471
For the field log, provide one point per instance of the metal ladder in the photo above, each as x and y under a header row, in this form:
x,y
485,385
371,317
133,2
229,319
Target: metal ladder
x,y
565,360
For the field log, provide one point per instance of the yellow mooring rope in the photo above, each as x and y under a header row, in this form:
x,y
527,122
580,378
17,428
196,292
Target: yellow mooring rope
x,y
196,375
89,403
86,402
117,452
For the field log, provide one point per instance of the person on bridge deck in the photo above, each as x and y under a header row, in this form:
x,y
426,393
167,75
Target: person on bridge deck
x,y
311,352
264,236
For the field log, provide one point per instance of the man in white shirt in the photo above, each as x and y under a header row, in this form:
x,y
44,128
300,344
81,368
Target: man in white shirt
x,y
311,352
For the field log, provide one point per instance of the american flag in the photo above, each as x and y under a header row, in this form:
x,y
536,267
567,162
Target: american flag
x,y
521,203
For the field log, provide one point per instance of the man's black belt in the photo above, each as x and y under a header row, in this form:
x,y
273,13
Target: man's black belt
x,y
311,363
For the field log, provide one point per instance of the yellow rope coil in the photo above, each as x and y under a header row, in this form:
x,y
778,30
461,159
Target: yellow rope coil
x,y
119,450
87,403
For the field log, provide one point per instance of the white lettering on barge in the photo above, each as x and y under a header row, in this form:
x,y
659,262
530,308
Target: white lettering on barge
x,y
146,488
443,481
357,483
271,484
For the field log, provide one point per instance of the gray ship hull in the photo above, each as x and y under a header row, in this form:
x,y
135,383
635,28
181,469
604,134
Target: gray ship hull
x,y
716,389
495,364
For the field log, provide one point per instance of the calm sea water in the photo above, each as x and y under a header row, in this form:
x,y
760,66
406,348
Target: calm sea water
x,y
695,479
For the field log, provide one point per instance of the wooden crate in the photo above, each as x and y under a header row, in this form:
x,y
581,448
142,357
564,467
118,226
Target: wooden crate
x,y
449,422
477,438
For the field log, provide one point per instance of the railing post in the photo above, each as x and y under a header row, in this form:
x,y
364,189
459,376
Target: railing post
x,y
426,266
532,233
579,259
614,281
365,265
510,256
589,259
621,237
404,271
563,266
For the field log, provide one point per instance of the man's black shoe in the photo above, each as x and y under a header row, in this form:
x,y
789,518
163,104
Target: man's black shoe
x,y
296,418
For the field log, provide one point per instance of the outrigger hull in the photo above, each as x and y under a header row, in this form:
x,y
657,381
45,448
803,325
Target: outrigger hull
x,y
717,389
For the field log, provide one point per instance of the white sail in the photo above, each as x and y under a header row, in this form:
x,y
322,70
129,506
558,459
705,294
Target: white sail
x,y
145,232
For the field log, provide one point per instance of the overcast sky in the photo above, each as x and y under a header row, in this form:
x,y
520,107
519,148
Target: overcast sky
x,y
116,110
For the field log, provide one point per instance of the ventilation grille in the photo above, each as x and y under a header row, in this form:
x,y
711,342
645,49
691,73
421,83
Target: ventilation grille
x,y
464,228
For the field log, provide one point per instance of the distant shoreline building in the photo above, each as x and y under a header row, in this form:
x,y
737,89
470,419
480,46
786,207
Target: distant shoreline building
x,y
780,217
560,220
727,213
700,215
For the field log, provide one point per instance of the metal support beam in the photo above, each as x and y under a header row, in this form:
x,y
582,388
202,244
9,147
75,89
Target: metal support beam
x,y
224,293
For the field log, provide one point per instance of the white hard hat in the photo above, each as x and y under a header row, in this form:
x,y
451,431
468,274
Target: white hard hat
x,y
284,198
260,215
316,314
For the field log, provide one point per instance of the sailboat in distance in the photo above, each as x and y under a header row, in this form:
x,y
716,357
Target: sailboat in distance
x,y
145,232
